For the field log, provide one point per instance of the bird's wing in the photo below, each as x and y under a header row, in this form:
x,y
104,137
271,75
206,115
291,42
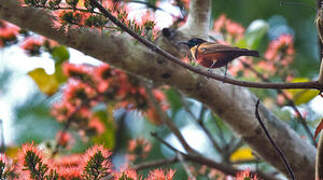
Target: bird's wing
x,y
212,48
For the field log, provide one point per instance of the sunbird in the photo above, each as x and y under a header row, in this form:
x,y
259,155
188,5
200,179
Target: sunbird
x,y
215,55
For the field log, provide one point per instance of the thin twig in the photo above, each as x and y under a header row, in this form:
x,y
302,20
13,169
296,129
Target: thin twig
x,y
155,164
209,74
185,166
281,154
69,122
219,132
290,102
199,120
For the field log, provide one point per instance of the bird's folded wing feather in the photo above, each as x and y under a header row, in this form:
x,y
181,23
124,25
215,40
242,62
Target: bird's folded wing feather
x,y
210,48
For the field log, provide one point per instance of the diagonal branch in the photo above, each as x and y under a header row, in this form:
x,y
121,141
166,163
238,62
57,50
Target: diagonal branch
x,y
289,101
168,121
209,74
281,154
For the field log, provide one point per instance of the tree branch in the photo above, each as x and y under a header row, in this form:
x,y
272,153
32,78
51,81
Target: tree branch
x,y
199,18
155,164
319,160
281,154
168,121
234,104
289,101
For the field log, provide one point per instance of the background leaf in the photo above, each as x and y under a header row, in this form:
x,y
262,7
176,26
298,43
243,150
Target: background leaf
x,y
47,84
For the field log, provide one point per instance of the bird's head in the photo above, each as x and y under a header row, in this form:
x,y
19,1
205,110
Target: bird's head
x,y
193,42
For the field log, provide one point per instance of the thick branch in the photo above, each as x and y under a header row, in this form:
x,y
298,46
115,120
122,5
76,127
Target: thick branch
x,y
235,105
319,159
198,21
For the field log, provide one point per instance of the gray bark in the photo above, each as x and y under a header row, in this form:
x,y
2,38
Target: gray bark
x,y
235,105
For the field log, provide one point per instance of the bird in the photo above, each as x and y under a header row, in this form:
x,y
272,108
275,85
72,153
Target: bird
x,y
215,55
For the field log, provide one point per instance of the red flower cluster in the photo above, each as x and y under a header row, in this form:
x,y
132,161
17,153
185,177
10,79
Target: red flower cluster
x,y
159,174
281,49
8,33
95,163
75,14
243,175
279,55
89,85
232,31
32,45
138,149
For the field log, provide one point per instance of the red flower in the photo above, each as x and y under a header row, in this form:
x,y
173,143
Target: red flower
x,y
81,72
77,92
159,174
97,125
282,46
8,31
64,139
127,174
245,174
139,147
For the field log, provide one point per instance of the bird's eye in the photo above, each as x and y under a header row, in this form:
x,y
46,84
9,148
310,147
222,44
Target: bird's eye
x,y
203,49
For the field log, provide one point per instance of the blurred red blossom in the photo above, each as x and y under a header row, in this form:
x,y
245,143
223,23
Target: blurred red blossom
x,y
243,175
8,33
32,45
97,125
138,148
159,174
65,139
225,26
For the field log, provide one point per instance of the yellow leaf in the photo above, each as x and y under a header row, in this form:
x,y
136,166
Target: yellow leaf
x,y
47,84
11,151
244,153
302,96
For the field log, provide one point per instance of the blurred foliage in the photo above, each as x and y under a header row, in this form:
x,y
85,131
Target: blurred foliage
x,y
33,121
284,16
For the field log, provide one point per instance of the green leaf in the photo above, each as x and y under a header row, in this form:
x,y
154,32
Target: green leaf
x,y
60,54
242,43
302,96
60,76
107,139
255,32
47,84
174,100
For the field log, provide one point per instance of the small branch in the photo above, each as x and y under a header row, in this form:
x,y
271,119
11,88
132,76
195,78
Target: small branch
x,y
281,154
319,160
168,121
289,101
220,132
200,122
155,164
186,168
209,74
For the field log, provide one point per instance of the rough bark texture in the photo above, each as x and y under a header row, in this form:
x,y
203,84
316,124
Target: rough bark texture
x,y
235,105
319,160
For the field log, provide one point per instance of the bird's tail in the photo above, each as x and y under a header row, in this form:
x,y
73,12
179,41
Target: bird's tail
x,y
250,53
